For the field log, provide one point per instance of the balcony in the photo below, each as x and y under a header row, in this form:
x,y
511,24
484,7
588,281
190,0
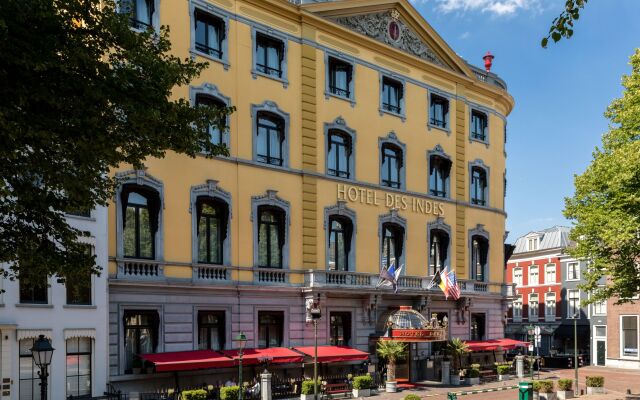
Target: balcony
x,y
488,77
211,273
140,269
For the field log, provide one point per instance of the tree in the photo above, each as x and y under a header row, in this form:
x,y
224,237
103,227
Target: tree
x,y
606,203
456,348
81,94
391,351
562,26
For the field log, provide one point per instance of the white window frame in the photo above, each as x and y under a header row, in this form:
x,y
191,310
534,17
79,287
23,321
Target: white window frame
x,y
577,264
547,297
637,317
518,301
546,273
537,268
532,244
537,308
577,307
600,307
520,280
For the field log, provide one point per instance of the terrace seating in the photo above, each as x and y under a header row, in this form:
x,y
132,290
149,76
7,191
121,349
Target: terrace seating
x,y
330,390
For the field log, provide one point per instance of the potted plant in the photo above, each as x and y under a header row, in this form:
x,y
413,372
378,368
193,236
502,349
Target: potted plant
x,y
148,367
473,374
595,384
391,351
229,392
502,371
535,385
136,366
565,389
306,393
362,386
545,390
456,348
197,394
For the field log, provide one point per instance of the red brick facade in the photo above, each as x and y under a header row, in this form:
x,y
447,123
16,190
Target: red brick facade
x,y
615,356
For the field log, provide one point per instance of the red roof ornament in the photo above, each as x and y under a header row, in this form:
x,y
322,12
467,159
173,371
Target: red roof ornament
x,y
488,61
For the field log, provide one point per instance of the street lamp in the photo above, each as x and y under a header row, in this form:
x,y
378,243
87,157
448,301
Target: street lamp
x,y
575,348
242,341
42,353
315,315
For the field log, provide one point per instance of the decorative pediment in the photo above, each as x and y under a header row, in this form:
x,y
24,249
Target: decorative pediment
x,y
387,27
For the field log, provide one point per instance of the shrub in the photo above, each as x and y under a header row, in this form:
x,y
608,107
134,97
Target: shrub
x,y
229,393
565,384
543,386
307,386
475,366
197,394
473,373
503,369
412,397
536,386
595,381
362,382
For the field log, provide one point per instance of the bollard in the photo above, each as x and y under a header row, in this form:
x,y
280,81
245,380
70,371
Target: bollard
x,y
525,391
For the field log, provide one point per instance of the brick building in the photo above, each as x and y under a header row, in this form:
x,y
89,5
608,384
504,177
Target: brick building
x,y
620,337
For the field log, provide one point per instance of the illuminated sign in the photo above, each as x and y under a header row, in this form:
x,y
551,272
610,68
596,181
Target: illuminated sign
x,y
418,335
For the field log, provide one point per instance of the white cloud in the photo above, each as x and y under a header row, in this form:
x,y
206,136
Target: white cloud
x,y
465,35
496,7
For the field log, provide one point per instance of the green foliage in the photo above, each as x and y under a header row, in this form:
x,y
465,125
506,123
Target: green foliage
x,y
565,384
307,387
412,397
456,348
229,392
81,95
197,394
595,381
605,207
473,373
362,382
503,369
391,351
562,26
543,386
536,386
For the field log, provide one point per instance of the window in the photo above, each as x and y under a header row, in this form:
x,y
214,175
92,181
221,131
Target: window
x,y
439,169
534,275
532,244
270,139
209,34
29,380
478,186
140,335
339,154
550,273
601,331
392,242
479,123
479,255
79,367
477,326
79,289
141,12
439,111
392,95
34,293
392,165
340,230
573,309
600,307
534,307
550,306
269,55
270,236
211,228
140,222
340,77
215,133
629,335
573,271
339,328
517,309
211,330
270,327
438,250
517,276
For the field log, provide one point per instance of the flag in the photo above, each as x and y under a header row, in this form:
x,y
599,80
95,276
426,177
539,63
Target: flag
x,y
444,283
434,281
454,289
389,276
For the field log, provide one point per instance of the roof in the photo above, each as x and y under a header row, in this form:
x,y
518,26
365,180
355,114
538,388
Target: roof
x,y
550,238
334,353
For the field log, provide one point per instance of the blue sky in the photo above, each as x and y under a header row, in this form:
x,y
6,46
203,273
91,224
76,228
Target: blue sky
x,y
561,93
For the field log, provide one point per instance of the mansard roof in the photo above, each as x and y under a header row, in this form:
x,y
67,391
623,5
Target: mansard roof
x,y
556,237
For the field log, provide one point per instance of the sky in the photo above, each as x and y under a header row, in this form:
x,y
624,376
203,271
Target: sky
x,y
561,93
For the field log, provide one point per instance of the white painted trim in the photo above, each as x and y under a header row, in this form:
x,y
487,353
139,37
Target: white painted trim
x,y
621,331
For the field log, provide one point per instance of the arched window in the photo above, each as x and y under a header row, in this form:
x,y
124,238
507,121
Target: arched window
x,y
209,33
216,134
339,149
340,230
479,255
141,208
438,248
271,236
439,170
211,229
392,243
478,186
270,137
392,164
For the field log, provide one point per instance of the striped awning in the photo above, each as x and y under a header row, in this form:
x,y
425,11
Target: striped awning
x,y
33,333
79,333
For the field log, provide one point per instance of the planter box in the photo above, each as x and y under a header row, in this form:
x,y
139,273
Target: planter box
x,y
595,390
361,393
536,396
136,371
565,394
454,380
391,387
547,396
473,381
306,396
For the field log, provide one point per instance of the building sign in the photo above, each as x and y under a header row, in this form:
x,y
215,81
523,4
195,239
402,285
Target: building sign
x,y
419,335
374,197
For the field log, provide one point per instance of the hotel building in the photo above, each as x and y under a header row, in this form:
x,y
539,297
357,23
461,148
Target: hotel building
x,y
359,139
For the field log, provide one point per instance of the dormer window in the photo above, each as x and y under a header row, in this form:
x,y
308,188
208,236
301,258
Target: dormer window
x,y
532,244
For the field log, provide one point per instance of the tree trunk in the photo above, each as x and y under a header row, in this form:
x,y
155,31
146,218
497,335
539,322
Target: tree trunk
x,y
391,371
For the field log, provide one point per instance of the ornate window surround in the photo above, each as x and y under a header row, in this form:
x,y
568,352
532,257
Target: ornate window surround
x,y
209,189
209,89
140,178
155,21
394,218
480,231
403,111
480,164
270,107
209,9
487,113
339,124
438,151
438,224
122,308
285,49
271,198
341,209
346,59
445,96
392,138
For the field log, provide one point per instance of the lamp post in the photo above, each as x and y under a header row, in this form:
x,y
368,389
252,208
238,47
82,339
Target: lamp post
x,y
575,348
315,315
42,353
242,341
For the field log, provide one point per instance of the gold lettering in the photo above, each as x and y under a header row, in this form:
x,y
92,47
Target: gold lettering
x,y
375,198
369,196
441,208
342,191
353,191
362,195
428,207
388,200
404,202
421,205
396,202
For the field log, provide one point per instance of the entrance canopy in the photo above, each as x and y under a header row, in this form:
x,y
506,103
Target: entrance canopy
x,y
494,344
275,355
407,325
328,354
188,360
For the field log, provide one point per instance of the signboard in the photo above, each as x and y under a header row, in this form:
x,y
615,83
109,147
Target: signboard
x,y
530,347
372,197
419,335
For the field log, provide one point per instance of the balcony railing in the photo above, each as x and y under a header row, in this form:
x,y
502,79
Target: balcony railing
x,y
140,269
270,276
211,273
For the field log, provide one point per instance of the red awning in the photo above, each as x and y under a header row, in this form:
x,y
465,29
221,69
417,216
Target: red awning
x,y
275,355
494,344
188,360
334,353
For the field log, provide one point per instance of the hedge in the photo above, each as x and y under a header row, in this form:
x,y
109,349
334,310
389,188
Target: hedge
x,y
362,382
412,397
229,393
307,387
543,386
565,384
595,381
503,369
